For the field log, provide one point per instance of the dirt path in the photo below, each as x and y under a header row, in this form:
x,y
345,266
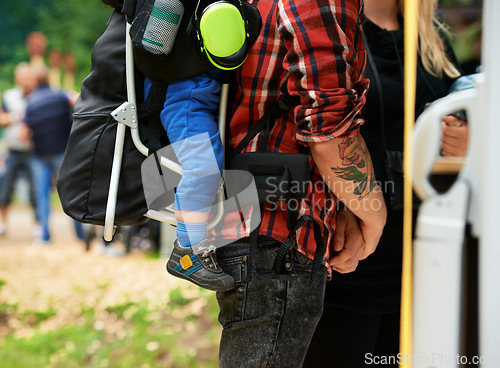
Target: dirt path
x,y
62,274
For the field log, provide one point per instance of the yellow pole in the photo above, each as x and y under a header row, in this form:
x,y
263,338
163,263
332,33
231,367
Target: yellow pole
x,y
410,70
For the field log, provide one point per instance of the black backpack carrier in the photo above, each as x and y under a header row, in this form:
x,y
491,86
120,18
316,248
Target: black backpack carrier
x,y
84,177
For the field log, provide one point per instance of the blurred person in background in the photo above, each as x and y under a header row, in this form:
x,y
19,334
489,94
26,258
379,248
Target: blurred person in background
x,y
18,150
361,317
48,124
36,43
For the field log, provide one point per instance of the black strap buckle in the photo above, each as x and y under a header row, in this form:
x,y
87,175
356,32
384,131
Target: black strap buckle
x,y
286,101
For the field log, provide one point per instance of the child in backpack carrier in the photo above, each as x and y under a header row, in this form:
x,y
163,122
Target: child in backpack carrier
x,y
189,117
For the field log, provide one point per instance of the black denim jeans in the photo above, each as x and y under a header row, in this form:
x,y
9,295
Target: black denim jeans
x,y
267,321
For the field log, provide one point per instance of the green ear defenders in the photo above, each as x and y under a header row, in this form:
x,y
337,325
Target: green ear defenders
x,y
222,32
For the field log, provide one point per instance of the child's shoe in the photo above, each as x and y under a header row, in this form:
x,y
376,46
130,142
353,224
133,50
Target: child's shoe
x,y
199,265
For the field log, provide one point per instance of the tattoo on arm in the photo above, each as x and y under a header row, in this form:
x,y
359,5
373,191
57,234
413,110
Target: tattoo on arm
x,y
354,168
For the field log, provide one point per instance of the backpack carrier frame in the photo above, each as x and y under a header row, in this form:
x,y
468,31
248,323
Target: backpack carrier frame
x,y
126,116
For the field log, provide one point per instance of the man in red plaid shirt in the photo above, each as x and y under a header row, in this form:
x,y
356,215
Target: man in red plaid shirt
x,y
314,50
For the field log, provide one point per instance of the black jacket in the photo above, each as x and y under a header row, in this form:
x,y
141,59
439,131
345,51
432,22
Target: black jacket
x,y
375,286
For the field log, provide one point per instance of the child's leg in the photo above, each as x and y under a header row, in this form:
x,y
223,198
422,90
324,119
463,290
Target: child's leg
x,y
190,120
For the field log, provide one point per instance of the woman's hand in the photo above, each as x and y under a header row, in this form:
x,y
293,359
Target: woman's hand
x,y
348,240
454,137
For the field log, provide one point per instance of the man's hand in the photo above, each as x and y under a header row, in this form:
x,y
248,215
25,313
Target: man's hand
x,y
348,240
455,137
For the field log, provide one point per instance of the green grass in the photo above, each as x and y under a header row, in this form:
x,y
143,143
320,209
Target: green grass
x,y
119,309
126,335
34,318
64,347
177,298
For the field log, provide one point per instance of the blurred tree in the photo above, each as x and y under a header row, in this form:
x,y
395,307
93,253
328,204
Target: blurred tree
x,y
72,27
464,20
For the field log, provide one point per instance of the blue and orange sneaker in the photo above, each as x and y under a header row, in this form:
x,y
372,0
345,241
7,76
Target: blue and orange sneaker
x,y
198,264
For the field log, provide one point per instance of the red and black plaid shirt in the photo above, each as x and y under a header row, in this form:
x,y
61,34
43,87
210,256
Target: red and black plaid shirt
x,y
309,45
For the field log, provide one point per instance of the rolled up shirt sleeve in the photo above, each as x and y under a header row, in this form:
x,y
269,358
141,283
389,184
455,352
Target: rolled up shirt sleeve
x,y
325,60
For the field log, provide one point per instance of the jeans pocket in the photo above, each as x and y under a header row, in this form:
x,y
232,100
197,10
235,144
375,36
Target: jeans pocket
x,y
237,267
300,264
234,260
231,305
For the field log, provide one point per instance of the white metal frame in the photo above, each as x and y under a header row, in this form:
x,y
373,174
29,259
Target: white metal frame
x,y
475,197
126,116
484,176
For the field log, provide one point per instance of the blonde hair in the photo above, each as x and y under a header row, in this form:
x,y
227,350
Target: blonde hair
x,y
430,44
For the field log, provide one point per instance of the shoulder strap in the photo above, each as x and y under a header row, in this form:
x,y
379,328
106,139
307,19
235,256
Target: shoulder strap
x,y
284,103
126,7
154,106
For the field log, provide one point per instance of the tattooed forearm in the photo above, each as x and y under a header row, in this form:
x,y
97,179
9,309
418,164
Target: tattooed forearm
x,y
356,166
